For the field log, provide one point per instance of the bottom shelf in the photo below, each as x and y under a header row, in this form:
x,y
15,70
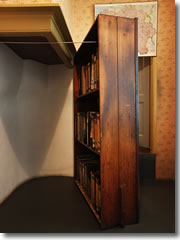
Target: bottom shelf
x,y
83,191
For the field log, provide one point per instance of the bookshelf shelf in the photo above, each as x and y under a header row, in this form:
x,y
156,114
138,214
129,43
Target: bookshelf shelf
x,y
83,191
85,145
107,118
92,94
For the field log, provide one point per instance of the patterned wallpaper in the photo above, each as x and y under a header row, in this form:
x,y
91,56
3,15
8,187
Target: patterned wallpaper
x,y
82,20
166,90
28,1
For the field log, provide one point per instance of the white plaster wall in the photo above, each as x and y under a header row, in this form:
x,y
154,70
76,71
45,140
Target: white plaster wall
x,y
59,157
36,120
11,170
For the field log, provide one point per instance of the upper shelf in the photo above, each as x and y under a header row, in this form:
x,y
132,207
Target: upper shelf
x,y
36,23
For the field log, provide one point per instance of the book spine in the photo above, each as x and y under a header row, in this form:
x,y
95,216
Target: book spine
x,y
92,73
95,131
79,81
93,193
91,129
88,129
78,126
97,69
83,175
97,195
98,133
89,186
88,77
95,72
94,128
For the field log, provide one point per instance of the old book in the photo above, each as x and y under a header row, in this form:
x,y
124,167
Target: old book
x,y
80,159
79,73
95,72
86,78
97,69
89,77
91,129
89,166
97,179
88,128
92,73
78,126
93,193
84,130
94,140
98,133
94,131
83,79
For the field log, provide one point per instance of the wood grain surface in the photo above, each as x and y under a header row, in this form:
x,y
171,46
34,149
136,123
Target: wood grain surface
x,y
107,36
127,116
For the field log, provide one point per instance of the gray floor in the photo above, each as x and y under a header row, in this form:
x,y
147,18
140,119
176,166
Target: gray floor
x,y
54,204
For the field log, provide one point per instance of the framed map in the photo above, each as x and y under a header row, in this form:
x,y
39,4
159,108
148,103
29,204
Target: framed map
x,y
146,12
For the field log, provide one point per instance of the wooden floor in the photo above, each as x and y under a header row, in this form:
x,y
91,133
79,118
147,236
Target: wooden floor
x,y
55,205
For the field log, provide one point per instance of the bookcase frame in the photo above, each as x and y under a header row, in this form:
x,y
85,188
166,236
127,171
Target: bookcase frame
x,y
116,40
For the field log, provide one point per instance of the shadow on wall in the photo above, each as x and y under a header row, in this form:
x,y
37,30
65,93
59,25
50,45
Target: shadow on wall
x,y
32,97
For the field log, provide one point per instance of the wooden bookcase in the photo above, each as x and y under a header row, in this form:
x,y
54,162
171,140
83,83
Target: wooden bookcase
x,y
114,40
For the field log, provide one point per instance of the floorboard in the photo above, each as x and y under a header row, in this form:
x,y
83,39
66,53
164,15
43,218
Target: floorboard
x,y
55,205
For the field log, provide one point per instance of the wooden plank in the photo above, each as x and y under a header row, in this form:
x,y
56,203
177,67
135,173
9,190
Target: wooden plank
x,y
107,35
90,148
75,95
128,105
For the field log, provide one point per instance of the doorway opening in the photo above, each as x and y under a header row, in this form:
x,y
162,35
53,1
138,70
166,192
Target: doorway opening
x,y
144,101
147,77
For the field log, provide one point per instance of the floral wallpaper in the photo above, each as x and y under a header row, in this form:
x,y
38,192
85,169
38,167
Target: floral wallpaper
x,y
166,90
28,1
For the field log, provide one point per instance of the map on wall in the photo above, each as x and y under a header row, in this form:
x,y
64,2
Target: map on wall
x,y
146,12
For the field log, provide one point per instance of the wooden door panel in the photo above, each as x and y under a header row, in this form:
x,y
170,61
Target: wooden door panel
x,y
127,56
109,120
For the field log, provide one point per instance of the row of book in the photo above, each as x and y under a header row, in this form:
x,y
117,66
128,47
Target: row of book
x,y
88,75
87,129
89,177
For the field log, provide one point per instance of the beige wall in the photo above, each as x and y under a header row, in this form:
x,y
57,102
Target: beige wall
x,y
67,11
82,20
36,122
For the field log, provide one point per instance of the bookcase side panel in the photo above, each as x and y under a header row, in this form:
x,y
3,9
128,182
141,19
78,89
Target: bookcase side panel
x,y
75,95
107,35
127,118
